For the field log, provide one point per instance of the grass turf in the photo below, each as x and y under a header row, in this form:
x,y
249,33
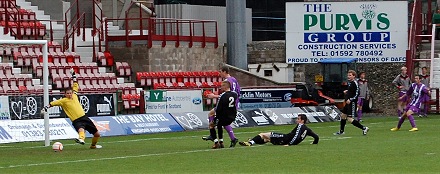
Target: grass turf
x,y
381,151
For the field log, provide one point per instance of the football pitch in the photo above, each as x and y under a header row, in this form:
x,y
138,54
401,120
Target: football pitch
x,y
381,151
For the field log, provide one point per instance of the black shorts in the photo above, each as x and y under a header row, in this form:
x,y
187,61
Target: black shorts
x,y
350,109
85,123
222,122
278,138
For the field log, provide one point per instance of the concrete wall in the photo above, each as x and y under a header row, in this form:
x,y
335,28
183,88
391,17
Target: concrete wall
x,y
184,11
54,8
170,58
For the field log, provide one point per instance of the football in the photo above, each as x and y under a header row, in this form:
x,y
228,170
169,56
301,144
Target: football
x,y
57,147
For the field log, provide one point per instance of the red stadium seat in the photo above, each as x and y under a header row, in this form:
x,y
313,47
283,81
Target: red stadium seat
x,y
127,68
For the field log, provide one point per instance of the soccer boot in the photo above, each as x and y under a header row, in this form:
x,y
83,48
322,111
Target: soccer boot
x,y
222,145
207,138
413,129
80,141
394,129
215,146
233,143
339,133
96,147
245,143
365,130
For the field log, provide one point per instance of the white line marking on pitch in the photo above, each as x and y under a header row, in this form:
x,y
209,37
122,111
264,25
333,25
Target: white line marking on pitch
x,y
139,156
135,140
120,157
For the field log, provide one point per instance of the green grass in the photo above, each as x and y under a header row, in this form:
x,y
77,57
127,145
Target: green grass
x,y
381,151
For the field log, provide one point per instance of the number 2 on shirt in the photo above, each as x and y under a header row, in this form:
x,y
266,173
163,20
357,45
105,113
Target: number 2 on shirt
x,y
231,102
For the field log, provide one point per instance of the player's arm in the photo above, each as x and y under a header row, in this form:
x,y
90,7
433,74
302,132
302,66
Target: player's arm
x,y
314,135
426,90
367,95
396,82
75,85
356,92
220,106
212,95
58,102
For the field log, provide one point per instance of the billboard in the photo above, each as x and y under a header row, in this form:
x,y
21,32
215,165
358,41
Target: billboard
x,y
265,98
33,130
157,101
29,106
372,31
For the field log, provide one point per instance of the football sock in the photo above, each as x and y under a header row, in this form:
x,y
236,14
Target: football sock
x,y
216,141
221,140
220,132
401,120
359,114
95,140
82,135
228,129
343,122
212,133
257,139
411,120
357,124
252,142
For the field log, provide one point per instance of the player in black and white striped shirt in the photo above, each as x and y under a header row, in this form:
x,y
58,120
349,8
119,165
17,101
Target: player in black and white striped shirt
x,y
296,136
349,110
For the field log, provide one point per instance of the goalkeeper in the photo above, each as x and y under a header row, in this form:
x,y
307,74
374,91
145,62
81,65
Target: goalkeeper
x,y
75,112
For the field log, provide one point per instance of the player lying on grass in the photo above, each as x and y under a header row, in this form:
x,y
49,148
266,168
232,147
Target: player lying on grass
x,y
225,113
296,136
75,112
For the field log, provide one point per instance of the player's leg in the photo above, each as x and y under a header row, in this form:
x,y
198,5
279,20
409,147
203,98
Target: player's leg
x,y
359,109
343,121
261,138
220,137
401,104
231,134
358,125
399,124
211,116
410,113
91,128
354,122
79,127
426,105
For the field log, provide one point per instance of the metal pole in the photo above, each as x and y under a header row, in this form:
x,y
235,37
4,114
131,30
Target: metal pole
x,y
46,94
236,33
431,67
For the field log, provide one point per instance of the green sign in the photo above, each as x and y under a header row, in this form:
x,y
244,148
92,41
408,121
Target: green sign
x,y
156,96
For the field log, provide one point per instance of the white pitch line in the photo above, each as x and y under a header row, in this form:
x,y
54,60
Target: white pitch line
x,y
145,155
119,157
136,140
180,137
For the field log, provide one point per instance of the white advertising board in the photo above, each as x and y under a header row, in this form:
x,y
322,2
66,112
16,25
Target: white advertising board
x,y
371,31
174,101
33,130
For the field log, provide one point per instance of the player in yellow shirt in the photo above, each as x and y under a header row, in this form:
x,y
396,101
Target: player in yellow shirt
x,y
75,112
